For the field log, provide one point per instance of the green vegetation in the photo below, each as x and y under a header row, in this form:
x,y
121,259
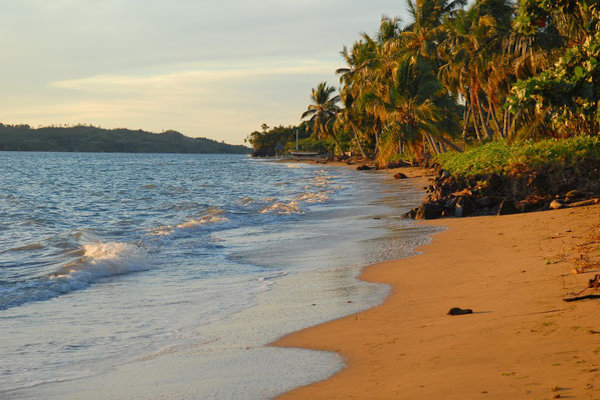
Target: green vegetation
x,y
280,139
94,139
515,83
500,157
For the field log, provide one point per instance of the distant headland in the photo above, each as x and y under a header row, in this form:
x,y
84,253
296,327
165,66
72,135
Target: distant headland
x,y
87,138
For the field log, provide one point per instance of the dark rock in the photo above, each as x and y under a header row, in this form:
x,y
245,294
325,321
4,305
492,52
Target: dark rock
x,y
557,204
494,182
411,214
530,206
398,164
450,204
429,211
507,207
486,202
459,311
568,172
400,175
464,206
364,168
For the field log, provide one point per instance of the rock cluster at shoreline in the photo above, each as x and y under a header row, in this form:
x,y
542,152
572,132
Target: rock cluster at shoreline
x,y
522,191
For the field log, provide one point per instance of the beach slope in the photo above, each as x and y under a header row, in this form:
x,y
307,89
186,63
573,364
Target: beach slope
x,y
522,341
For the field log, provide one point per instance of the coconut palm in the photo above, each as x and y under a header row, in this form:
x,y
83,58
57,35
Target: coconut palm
x,y
417,108
476,67
323,111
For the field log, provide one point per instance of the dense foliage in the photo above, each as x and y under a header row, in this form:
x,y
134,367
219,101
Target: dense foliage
x,y
460,74
502,158
564,96
94,139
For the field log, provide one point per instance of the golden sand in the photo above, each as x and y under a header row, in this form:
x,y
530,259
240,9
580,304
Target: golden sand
x,y
522,341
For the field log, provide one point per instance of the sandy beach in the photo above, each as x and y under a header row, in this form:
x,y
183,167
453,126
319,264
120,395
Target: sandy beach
x,y
522,341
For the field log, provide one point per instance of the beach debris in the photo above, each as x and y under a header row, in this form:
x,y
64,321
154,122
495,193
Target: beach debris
x,y
459,311
557,204
573,195
579,298
584,203
594,282
400,175
364,167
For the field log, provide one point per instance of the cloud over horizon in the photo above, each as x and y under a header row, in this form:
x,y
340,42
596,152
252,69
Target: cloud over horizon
x,y
209,69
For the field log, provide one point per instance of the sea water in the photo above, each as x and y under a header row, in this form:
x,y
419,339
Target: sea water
x,y
165,276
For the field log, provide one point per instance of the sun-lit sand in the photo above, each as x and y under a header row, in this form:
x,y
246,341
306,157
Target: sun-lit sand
x,y
523,340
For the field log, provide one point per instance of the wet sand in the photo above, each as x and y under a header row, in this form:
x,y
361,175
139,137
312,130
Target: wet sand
x,y
522,341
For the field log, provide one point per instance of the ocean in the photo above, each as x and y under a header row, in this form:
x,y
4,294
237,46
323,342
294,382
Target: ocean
x,y
164,276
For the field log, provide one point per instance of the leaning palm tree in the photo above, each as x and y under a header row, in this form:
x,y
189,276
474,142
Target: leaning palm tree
x,y
323,111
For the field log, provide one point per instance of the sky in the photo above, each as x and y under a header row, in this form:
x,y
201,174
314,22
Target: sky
x,y
206,68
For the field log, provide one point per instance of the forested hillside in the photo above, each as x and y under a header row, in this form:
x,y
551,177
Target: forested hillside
x,y
95,139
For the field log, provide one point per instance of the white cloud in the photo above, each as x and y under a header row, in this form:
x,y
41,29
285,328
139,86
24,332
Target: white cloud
x,y
184,79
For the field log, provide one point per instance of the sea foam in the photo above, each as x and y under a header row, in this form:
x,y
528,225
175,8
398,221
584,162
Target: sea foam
x,y
210,216
97,260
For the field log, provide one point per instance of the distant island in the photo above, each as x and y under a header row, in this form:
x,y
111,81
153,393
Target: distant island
x,y
85,138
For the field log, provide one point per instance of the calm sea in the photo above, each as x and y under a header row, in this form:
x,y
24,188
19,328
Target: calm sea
x,y
163,276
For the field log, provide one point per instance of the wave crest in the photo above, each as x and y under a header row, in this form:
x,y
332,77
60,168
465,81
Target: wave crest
x,y
291,207
97,260
212,215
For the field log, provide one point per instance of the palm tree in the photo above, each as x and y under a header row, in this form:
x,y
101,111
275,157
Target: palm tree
x,y
416,109
476,66
349,119
323,111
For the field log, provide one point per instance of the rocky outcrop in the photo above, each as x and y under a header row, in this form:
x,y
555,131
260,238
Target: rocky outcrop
x,y
364,167
521,191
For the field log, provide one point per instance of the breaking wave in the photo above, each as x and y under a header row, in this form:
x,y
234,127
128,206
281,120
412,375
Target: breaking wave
x,y
313,197
289,207
211,216
98,260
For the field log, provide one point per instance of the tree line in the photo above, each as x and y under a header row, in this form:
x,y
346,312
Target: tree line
x,y
458,75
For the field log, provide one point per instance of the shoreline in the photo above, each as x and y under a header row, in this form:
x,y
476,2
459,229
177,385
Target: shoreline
x,y
236,346
522,340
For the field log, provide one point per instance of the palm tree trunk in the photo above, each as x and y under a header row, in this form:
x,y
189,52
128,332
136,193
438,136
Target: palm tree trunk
x,y
362,151
337,143
493,114
476,125
450,144
483,123
505,122
511,125
432,144
466,116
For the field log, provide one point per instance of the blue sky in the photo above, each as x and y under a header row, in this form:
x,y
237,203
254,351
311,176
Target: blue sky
x,y
217,69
